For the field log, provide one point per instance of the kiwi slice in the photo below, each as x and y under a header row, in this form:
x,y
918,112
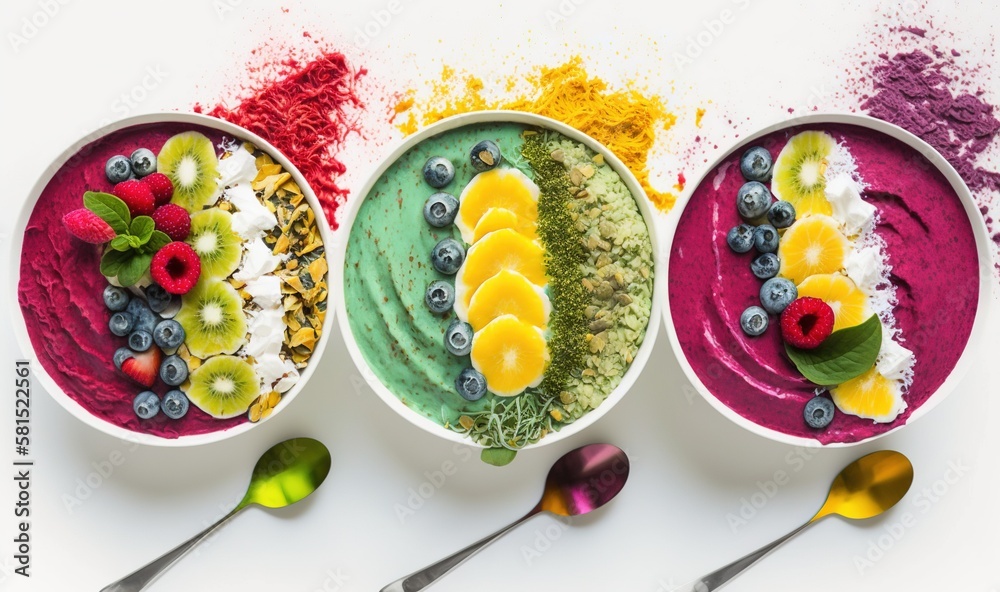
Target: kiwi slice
x,y
189,160
800,172
213,320
224,386
217,244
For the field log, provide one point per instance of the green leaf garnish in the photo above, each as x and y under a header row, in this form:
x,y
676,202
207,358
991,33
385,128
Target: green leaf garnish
x,y
497,457
110,209
112,261
157,241
845,354
142,228
121,243
134,268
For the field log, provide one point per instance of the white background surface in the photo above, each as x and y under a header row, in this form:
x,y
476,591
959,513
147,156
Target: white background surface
x,y
692,470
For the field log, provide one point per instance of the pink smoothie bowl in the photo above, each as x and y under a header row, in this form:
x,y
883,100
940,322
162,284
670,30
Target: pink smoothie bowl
x,y
941,266
59,318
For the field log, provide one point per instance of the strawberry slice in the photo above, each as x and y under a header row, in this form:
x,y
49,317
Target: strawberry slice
x,y
143,367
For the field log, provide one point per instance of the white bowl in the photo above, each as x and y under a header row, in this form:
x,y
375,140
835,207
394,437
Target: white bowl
x,y
337,271
982,245
21,331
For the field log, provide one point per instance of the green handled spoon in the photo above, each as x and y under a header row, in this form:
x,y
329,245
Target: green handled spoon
x,y
287,473
864,489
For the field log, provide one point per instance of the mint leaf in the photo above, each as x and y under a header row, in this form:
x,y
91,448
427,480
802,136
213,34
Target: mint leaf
x,y
133,241
134,268
110,209
142,227
112,261
121,243
157,241
845,354
497,457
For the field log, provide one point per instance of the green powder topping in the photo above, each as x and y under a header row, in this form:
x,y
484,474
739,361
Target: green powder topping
x,y
564,260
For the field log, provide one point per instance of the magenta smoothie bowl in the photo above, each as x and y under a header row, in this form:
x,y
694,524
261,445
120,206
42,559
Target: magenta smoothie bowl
x,y
172,280
826,279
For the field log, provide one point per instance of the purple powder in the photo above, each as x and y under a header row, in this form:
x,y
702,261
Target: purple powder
x,y
911,91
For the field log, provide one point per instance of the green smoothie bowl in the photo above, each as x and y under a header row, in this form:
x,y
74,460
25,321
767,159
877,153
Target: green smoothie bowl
x,y
498,281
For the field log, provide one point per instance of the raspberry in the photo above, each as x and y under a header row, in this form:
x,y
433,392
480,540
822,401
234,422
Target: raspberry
x,y
88,226
136,196
807,322
176,267
173,220
161,187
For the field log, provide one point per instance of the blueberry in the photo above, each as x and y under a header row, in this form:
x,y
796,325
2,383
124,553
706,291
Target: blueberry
x,y
122,354
145,319
485,155
753,200
168,334
458,338
765,266
440,296
175,404
140,340
740,238
471,384
438,171
157,298
440,209
819,412
115,298
781,214
776,294
756,164
447,256
143,162
118,169
173,370
754,321
146,404
121,323
765,238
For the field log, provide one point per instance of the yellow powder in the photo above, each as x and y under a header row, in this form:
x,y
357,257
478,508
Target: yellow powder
x,y
626,121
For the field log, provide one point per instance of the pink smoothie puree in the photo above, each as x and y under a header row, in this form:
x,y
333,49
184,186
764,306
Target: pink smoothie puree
x,y
61,286
931,250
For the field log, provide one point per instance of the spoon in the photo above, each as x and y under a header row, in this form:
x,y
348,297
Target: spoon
x,y
580,482
287,473
864,489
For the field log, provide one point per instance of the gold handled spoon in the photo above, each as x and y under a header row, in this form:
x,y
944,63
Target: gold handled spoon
x,y
864,489
287,473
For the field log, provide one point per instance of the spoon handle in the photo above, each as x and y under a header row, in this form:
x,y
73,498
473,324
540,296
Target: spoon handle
x,y
720,577
142,577
423,578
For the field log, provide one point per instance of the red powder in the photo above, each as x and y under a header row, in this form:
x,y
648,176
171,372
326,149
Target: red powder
x,y
307,112
911,91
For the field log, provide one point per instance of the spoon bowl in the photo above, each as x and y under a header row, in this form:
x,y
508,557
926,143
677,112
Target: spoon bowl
x,y
285,474
584,479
